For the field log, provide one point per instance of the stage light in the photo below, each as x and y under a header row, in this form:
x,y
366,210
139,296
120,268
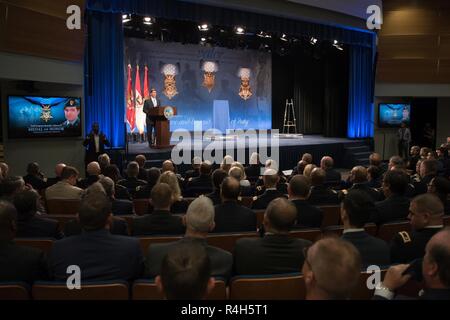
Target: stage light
x,y
240,30
337,45
283,37
126,18
203,27
263,34
313,41
148,21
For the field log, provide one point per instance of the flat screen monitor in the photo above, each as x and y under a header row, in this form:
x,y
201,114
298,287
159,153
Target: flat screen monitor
x,y
393,114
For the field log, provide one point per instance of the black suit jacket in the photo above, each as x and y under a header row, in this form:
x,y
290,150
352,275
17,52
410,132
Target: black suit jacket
x,y
100,255
52,181
131,184
421,186
308,216
148,105
392,209
262,201
88,181
122,193
321,195
221,260
36,182
19,263
119,227
158,223
373,251
143,174
271,254
371,192
232,217
215,197
122,207
202,182
333,176
38,227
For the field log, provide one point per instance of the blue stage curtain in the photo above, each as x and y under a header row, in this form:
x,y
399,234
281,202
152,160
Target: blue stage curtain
x,y
361,90
188,11
104,76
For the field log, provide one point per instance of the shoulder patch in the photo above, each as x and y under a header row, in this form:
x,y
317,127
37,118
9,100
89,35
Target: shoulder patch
x,y
405,236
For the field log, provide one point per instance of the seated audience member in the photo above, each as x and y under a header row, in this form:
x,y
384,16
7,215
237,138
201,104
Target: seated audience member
x,y
30,223
100,255
58,171
396,162
305,160
18,263
434,269
331,270
307,157
132,181
374,176
140,159
321,194
168,165
199,221
195,171
118,206
355,213
226,163
179,205
333,177
270,179
160,221
396,205
35,177
230,216
10,186
427,171
104,161
414,157
433,155
358,176
308,170
93,175
186,273
375,160
282,181
4,170
239,174
113,172
66,188
202,183
424,151
253,170
276,252
425,215
308,216
440,187
143,192
217,178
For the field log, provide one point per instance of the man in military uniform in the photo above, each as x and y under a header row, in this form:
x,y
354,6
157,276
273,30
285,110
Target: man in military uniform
x,y
425,215
72,114
321,194
271,179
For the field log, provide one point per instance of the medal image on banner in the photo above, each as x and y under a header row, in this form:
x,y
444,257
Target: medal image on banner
x,y
245,89
170,85
209,77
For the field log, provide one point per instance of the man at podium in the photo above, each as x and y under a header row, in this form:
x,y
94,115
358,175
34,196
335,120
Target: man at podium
x,y
153,102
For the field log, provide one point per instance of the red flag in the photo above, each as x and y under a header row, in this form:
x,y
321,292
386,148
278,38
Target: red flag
x,y
146,88
140,115
131,113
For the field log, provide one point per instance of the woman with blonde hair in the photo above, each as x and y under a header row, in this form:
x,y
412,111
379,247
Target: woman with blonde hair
x,y
179,205
308,169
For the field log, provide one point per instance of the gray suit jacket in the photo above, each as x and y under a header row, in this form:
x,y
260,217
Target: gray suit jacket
x,y
63,190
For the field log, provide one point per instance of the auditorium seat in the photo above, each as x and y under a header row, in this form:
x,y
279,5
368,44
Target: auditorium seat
x,y
59,206
410,289
331,215
370,228
273,287
189,199
246,201
307,234
226,241
149,240
62,219
196,191
14,291
145,289
129,219
117,290
388,230
42,244
446,220
141,206
362,292
259,217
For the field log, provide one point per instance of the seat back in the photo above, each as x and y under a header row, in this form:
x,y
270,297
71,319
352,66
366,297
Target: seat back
x,y
63,219
307,234
388,230
277,287
227,241
371,228
147,241
88,291
446,220
246,201
362,291
331,215
147,290
42,244
141,206
259,217
14,291
60,206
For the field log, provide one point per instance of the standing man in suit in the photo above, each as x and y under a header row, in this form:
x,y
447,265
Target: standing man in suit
x,y
153,102
95,143
404,139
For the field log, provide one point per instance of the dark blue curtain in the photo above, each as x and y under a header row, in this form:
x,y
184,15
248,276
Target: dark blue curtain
x,y
104,76
361,90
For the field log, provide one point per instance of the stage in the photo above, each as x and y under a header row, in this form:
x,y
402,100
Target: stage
x,y
346,152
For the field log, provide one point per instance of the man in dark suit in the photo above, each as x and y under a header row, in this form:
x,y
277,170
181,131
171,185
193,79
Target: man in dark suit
x,y
413,158
95,143
374,176
143,174
195,171
160,221
355,213
308,216
201,183
119,206
132,181
18,263
199,221
375,160
427,171
396,205
321,194
100,255
231,216
425,215
152,102
433,268
35,177
112,171
143,192
271,179
276,252
333,177
217,178
358,176
93,175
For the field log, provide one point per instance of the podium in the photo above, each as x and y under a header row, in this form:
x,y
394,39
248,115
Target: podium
x,y
162,125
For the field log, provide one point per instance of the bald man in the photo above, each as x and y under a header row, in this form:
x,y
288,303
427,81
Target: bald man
x,y
271,179
331,270
93,175
58,171
359,177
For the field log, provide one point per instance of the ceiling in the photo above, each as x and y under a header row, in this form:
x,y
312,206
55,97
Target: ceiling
x,y
356,8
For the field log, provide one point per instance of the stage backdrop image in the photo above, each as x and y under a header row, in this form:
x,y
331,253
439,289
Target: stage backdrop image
x,y
223,88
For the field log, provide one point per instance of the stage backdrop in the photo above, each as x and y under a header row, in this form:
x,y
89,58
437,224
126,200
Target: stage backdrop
x,y
223,103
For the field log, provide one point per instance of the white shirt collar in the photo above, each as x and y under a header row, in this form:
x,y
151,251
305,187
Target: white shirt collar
x,y
351,230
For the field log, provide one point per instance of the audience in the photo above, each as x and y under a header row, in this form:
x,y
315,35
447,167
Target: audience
x,y
253,171
308,216
58,171
271,179
112,171
321,194
66,188
93,175
143,192
358,177
35,177
104,161
333,177
201,184
4,170
414,157
118,206
195,171
226,163
374,177
276,252
179,205
10,186
132,182
440,187
427,171
217,178
140,159
309,169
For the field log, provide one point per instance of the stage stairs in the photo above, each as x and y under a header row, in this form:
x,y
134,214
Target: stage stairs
x,y
357,154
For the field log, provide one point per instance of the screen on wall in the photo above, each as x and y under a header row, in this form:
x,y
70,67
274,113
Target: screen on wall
x,y
41,117
393,114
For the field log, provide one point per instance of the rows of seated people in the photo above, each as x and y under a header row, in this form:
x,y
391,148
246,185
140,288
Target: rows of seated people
x,y
377,194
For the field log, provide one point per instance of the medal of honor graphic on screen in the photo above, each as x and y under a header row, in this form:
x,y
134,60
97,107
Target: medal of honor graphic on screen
x,y
43,117
392,115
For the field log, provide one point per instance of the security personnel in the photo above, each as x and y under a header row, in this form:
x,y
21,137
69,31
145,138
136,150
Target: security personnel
x,y
271,179
425,215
